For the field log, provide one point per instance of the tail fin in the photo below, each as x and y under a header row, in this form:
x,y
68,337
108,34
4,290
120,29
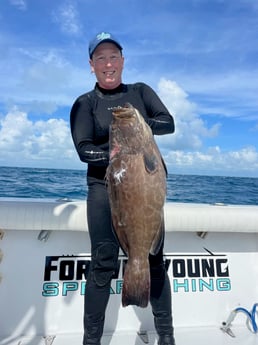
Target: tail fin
x,y
136,285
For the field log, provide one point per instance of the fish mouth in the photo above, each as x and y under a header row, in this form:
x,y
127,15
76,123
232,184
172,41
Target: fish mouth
x,y
125,112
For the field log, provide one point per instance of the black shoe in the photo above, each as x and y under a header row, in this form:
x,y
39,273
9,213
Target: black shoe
x,y
167,339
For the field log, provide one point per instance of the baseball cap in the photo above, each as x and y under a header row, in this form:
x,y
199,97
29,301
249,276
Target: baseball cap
x,y
100,38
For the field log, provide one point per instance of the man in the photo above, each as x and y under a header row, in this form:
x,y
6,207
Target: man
x,y
90,120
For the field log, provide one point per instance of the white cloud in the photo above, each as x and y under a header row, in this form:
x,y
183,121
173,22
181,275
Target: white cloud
x,y
14,128
232,93
176,98
190,128
44,78
20,4
213,161
184,152
247,156
46,143
67,17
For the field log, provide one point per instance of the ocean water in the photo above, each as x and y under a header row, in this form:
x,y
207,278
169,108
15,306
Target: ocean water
x,y
71,184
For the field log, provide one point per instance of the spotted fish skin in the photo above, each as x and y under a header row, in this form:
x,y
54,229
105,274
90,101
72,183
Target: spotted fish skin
x,y
136,180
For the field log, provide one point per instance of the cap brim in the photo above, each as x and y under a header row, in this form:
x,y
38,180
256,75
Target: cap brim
x,y
103,41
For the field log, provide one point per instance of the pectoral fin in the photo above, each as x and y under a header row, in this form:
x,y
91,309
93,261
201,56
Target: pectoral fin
x,y
150,162
159,239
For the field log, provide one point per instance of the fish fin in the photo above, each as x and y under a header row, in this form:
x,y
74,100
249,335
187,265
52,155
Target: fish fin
x,y
136,285
159,239
123,246
150,162
164,166
122,239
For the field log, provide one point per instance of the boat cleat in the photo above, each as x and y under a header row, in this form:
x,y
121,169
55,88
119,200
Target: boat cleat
x,y
49,339
226,329
226,326
44,235
144,336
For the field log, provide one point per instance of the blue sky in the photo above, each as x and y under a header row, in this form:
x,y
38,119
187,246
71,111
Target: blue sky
x,y
200,56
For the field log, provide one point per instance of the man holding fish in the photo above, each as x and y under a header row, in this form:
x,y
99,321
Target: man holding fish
x,y
112,128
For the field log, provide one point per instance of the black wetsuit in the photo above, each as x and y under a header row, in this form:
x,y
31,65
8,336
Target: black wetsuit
x,y
90,120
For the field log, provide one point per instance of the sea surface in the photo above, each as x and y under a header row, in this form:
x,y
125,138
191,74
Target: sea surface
x,y
71,184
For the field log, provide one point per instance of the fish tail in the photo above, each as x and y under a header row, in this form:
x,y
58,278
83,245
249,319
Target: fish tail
x,y
136,284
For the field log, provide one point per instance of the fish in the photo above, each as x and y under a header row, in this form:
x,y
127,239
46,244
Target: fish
x,y
136,184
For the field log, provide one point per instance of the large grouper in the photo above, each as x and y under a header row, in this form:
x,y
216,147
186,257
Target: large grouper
x,y
136,180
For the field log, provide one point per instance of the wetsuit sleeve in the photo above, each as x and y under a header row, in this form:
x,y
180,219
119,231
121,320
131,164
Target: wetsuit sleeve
x,y
159,118
82,129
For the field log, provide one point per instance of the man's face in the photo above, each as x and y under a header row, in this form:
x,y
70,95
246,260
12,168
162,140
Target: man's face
x,y
107,63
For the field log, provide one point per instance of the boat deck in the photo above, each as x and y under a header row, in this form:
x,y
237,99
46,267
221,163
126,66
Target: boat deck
x,y
184,336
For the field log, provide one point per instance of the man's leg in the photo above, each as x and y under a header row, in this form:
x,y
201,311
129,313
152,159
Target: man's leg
x,y
160,299
104,251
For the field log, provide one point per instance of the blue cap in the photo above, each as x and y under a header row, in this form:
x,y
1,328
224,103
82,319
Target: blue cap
x,y
101,38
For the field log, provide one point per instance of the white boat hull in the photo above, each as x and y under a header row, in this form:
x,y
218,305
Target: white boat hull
x,y
211,253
